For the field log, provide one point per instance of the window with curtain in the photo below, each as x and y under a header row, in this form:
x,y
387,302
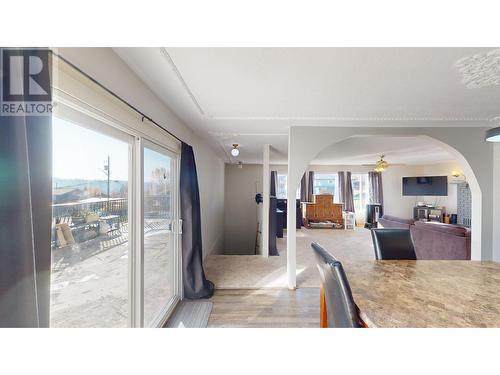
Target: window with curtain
x,y
281,187
326,183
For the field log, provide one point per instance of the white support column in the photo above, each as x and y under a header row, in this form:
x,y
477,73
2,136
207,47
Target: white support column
x,y
496,202
266,190
291,232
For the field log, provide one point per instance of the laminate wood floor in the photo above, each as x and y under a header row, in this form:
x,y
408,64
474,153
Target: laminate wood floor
x,y
265,308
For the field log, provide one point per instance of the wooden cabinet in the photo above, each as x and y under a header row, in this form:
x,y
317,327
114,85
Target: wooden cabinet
x,y
322,209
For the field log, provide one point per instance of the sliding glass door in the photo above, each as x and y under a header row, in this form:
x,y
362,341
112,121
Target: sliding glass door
x,y
115,245
160,242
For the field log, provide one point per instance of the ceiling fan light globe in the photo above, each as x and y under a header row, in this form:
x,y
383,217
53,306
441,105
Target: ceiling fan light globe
x,y
235,152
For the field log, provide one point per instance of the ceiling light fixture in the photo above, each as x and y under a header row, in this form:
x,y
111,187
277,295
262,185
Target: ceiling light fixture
x,y
235,152
493,135
381,165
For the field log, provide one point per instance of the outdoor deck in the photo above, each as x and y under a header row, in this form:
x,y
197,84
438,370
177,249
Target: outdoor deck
x,y
90,280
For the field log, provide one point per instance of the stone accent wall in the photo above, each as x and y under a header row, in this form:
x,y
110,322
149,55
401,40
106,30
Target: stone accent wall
x,y
464,205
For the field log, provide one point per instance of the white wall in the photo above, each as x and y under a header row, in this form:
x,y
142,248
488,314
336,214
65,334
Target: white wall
x,y
444,169
104,65
396,204
240,208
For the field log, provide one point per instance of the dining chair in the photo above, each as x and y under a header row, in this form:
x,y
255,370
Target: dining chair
x,y
393,244
337,307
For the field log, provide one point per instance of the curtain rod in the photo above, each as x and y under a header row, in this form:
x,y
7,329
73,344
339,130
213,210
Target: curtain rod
x,y
144,116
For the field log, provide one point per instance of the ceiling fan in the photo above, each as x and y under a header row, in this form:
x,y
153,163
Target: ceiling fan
x,y
380,165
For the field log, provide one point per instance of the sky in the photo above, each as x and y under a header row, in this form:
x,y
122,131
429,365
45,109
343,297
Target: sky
x,y
80,153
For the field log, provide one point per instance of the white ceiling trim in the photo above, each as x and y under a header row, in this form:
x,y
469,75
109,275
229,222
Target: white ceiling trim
x,y
169,59
370,119
223,135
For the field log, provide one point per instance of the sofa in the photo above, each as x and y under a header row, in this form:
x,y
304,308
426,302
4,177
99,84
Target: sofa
x,y
394,222
441,241
434,240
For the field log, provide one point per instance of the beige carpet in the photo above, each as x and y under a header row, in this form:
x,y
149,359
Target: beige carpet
x,y
251,271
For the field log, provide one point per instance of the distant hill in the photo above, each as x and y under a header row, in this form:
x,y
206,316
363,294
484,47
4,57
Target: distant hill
x,y
114,186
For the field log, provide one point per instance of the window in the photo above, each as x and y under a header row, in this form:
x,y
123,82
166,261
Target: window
x,y
326,183
281,188
361,195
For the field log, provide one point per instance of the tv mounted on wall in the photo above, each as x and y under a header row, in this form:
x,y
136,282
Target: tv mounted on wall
x,y
425,186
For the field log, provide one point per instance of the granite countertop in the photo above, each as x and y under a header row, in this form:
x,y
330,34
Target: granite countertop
x,y
426,293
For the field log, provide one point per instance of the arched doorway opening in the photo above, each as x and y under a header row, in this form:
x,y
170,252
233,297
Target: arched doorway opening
x,y
466,145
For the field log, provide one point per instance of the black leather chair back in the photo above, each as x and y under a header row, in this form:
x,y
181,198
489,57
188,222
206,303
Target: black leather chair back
x,y
393,244
340,307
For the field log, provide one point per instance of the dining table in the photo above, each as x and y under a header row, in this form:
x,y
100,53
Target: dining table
x,y
426,293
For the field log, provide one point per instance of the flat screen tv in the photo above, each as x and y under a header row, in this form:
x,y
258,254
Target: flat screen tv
x,y
425,186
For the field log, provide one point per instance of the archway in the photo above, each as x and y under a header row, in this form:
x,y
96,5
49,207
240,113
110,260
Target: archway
x,y
466,144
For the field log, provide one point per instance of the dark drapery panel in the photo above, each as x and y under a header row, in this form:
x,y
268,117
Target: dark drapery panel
x,y
310,187
303,189
349,199
25,218
195,283
273,226
375,187
341,178
274,181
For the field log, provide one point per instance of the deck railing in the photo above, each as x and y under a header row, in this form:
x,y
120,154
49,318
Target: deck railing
x,y
154,206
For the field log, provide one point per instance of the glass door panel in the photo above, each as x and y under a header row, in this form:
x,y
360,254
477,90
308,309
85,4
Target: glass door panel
x,y
159,240
90,236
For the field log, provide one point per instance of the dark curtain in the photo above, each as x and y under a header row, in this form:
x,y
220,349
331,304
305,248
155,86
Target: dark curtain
x,y
25,218
274,178
303,189
310,187
349,199
341,177
195,283
375,187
